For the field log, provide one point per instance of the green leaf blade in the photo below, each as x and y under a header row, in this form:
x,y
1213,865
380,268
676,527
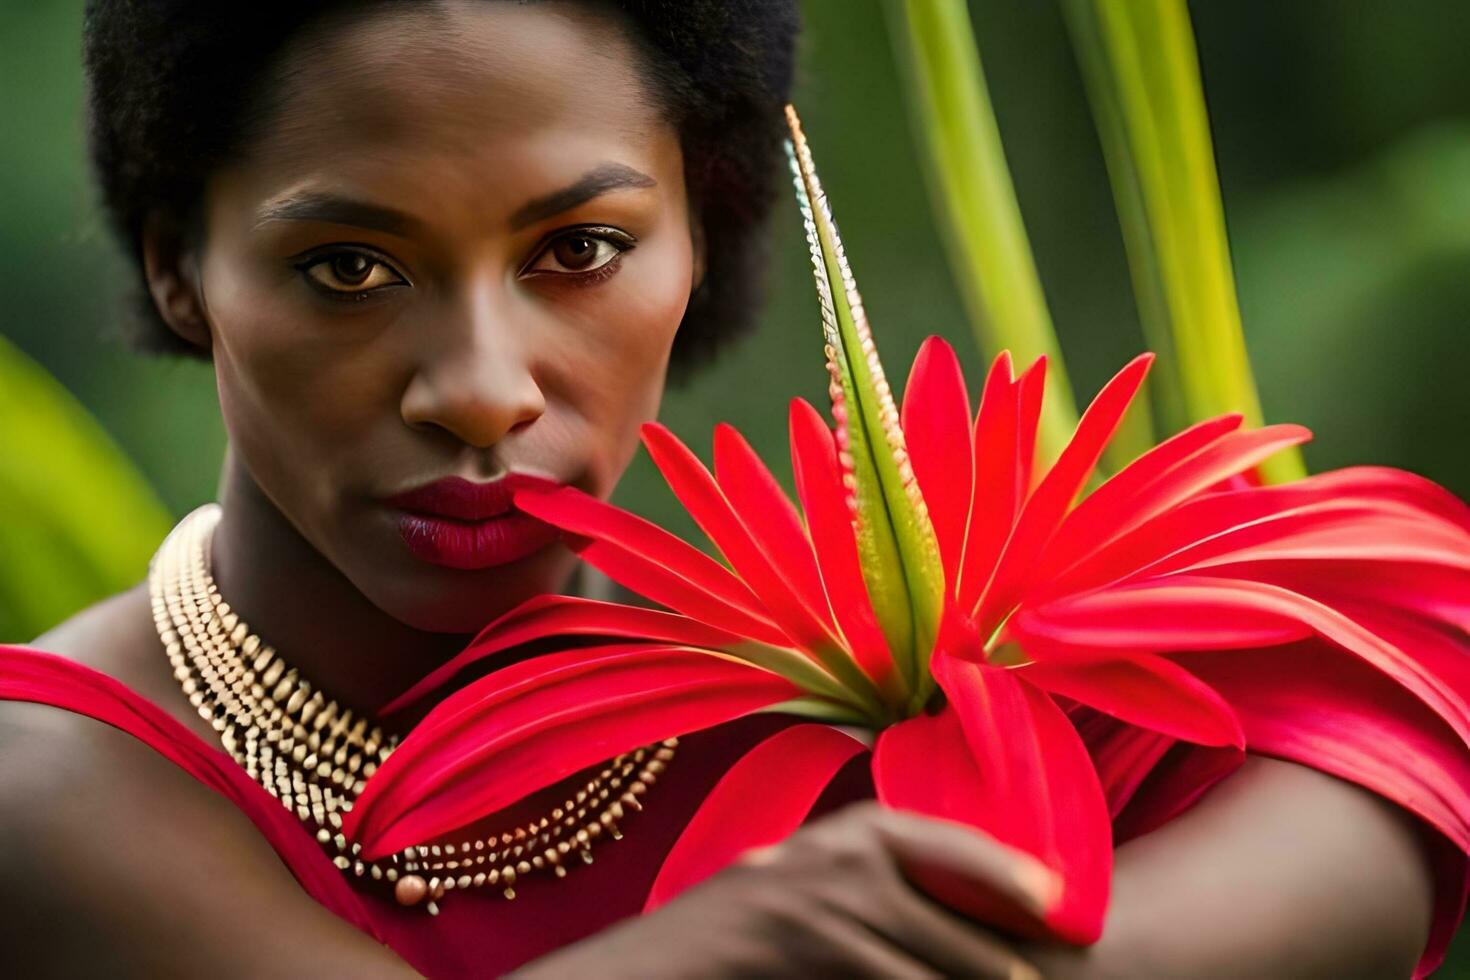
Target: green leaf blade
x,y
77,521
974,199
1142,72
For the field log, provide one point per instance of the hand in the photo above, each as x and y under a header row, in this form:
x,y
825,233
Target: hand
x,y
833,899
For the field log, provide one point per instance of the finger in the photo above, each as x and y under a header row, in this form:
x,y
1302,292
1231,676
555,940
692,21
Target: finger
x,y
837,944
959,849
853,884
949,943
954,946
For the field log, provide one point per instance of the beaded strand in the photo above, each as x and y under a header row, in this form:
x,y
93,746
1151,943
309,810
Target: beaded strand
x,y
315,757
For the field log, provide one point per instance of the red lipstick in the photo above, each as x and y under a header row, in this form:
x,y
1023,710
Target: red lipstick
x,y
460,524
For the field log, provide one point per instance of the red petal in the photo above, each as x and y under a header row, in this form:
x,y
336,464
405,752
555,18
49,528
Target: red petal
x,y
1176,783
1046,507
1345,494
771,519
1148,691
1123,754
1132,497
1328,533
1114,507
1004,758
1187,613
1378,541
1163,616
1410,671
1432,592
642,556
1445,653
1030,388
1149,779
996,496
824,501
762,798
554,615
1385,483
702,497
936,428
536,722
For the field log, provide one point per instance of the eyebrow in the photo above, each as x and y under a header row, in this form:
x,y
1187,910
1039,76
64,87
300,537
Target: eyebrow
x,y
599,180
337,210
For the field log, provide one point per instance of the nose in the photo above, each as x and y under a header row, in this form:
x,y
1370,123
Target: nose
x,y
474,379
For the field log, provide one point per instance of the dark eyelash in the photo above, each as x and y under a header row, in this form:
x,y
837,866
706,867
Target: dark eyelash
x,y
306,262
616,237
318,257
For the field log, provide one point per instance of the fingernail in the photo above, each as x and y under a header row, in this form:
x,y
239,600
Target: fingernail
x,y
1041,885
758,856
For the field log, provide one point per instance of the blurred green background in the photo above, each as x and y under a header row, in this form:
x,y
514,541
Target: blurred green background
x,y
1342,129
1343,134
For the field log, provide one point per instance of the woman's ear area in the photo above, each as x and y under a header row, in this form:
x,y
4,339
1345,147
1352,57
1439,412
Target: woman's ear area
x,y
171,268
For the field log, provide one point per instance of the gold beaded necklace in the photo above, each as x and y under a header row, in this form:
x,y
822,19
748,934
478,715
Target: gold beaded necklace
x,y
315,757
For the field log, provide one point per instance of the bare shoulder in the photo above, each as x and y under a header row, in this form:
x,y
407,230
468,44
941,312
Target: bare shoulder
x,y
68,782
115,637
76,636
43,749
46,752
117,862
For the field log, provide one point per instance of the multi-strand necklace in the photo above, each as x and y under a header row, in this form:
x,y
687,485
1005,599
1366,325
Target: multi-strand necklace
x,y
315,757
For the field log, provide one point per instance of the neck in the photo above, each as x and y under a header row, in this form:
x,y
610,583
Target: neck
x,y
299,603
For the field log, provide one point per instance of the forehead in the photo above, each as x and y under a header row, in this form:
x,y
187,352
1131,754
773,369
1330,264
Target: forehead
x,y
480,97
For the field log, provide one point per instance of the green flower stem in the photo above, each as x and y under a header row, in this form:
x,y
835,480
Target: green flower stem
x,y
974,201
1142,71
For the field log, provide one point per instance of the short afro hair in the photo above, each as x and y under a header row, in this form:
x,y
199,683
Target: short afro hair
x,y
174,87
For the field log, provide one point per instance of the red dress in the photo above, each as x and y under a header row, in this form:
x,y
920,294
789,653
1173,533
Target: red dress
x,y
477,932
1148,780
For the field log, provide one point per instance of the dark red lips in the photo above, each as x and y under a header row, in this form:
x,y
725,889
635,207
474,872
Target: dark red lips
x,y
460,524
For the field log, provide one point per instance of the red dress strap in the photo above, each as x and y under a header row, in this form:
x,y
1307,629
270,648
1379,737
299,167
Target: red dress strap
x,y
45,678
477,934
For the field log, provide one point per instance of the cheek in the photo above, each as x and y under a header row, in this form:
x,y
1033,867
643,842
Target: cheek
x,y
622,358
296,399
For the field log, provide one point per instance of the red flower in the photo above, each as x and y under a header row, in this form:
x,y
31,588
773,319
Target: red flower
x,y
941,590
1100,604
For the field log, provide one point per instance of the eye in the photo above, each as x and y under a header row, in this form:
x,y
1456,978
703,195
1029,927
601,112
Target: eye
x,y
580,251
350,273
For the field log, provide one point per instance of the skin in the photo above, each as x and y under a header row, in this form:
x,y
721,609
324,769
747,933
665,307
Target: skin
x,y
476,357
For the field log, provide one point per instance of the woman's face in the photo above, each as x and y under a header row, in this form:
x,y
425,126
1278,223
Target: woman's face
x,y
459,250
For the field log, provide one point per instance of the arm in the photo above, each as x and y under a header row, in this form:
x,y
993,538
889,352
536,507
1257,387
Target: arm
x,y
830,900
1278,871
116,863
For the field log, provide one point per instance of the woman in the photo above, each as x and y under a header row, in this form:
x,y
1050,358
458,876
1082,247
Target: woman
x,y
433,251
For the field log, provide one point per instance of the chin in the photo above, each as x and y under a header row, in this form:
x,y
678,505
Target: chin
x,y
444,600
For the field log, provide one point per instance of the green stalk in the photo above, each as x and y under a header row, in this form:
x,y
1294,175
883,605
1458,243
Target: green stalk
x,y
896,545
1142,72
974,201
